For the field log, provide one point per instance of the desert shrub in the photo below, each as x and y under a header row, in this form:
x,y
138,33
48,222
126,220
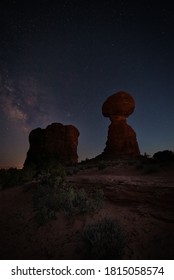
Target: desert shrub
x,y
104,240
65,201
47,178
82,202
71,170
164,156
45,214
54,194
55,168
11,177
53,175
43,199
147,165
98,199
61,197
29,173
46,194
77,201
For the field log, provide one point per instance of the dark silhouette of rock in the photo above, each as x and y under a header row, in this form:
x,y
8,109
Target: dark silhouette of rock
x,y
121,137
57,142
165,155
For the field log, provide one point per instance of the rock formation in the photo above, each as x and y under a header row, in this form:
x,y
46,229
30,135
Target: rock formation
x,y
56,142
121,137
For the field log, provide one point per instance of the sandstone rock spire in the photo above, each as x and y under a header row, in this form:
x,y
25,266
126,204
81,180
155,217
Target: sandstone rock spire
x,y
121,137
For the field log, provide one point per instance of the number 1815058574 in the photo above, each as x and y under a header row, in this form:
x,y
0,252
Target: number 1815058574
x,y
134,270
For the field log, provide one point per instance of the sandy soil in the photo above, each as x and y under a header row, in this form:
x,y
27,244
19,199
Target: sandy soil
x,y
142,203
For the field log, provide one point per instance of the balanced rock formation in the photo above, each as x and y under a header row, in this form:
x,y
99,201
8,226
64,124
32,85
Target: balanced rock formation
x,y
121,137
57,142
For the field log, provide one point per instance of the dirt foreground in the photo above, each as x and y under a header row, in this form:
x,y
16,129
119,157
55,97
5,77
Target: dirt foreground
x,y
143,204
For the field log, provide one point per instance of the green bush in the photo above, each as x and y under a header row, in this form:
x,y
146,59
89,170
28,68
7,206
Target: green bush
x,y
54,194
78,201
98,199
11,177
54,167
82,203
46,194
44,203
50,199
44,215
104,240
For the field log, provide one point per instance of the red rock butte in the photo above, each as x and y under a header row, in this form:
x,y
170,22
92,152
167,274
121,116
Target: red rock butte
x,y
121,137
55,142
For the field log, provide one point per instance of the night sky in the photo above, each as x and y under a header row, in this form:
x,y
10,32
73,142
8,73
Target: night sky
x,y
60,60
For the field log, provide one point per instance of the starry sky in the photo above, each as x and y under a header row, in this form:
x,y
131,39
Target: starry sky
x,y
60,60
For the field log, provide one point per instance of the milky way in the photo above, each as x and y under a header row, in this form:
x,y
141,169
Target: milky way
x,y
23,102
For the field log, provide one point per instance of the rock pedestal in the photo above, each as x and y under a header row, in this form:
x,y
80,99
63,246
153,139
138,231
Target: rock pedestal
x,y
57,142
121,137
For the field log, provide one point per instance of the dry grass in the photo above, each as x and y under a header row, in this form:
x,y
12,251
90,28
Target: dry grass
x,y
142,204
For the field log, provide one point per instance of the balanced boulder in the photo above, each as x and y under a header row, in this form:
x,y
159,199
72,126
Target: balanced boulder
x,y
121,137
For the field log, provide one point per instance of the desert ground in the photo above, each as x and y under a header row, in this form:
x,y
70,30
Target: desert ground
x,y
140,198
